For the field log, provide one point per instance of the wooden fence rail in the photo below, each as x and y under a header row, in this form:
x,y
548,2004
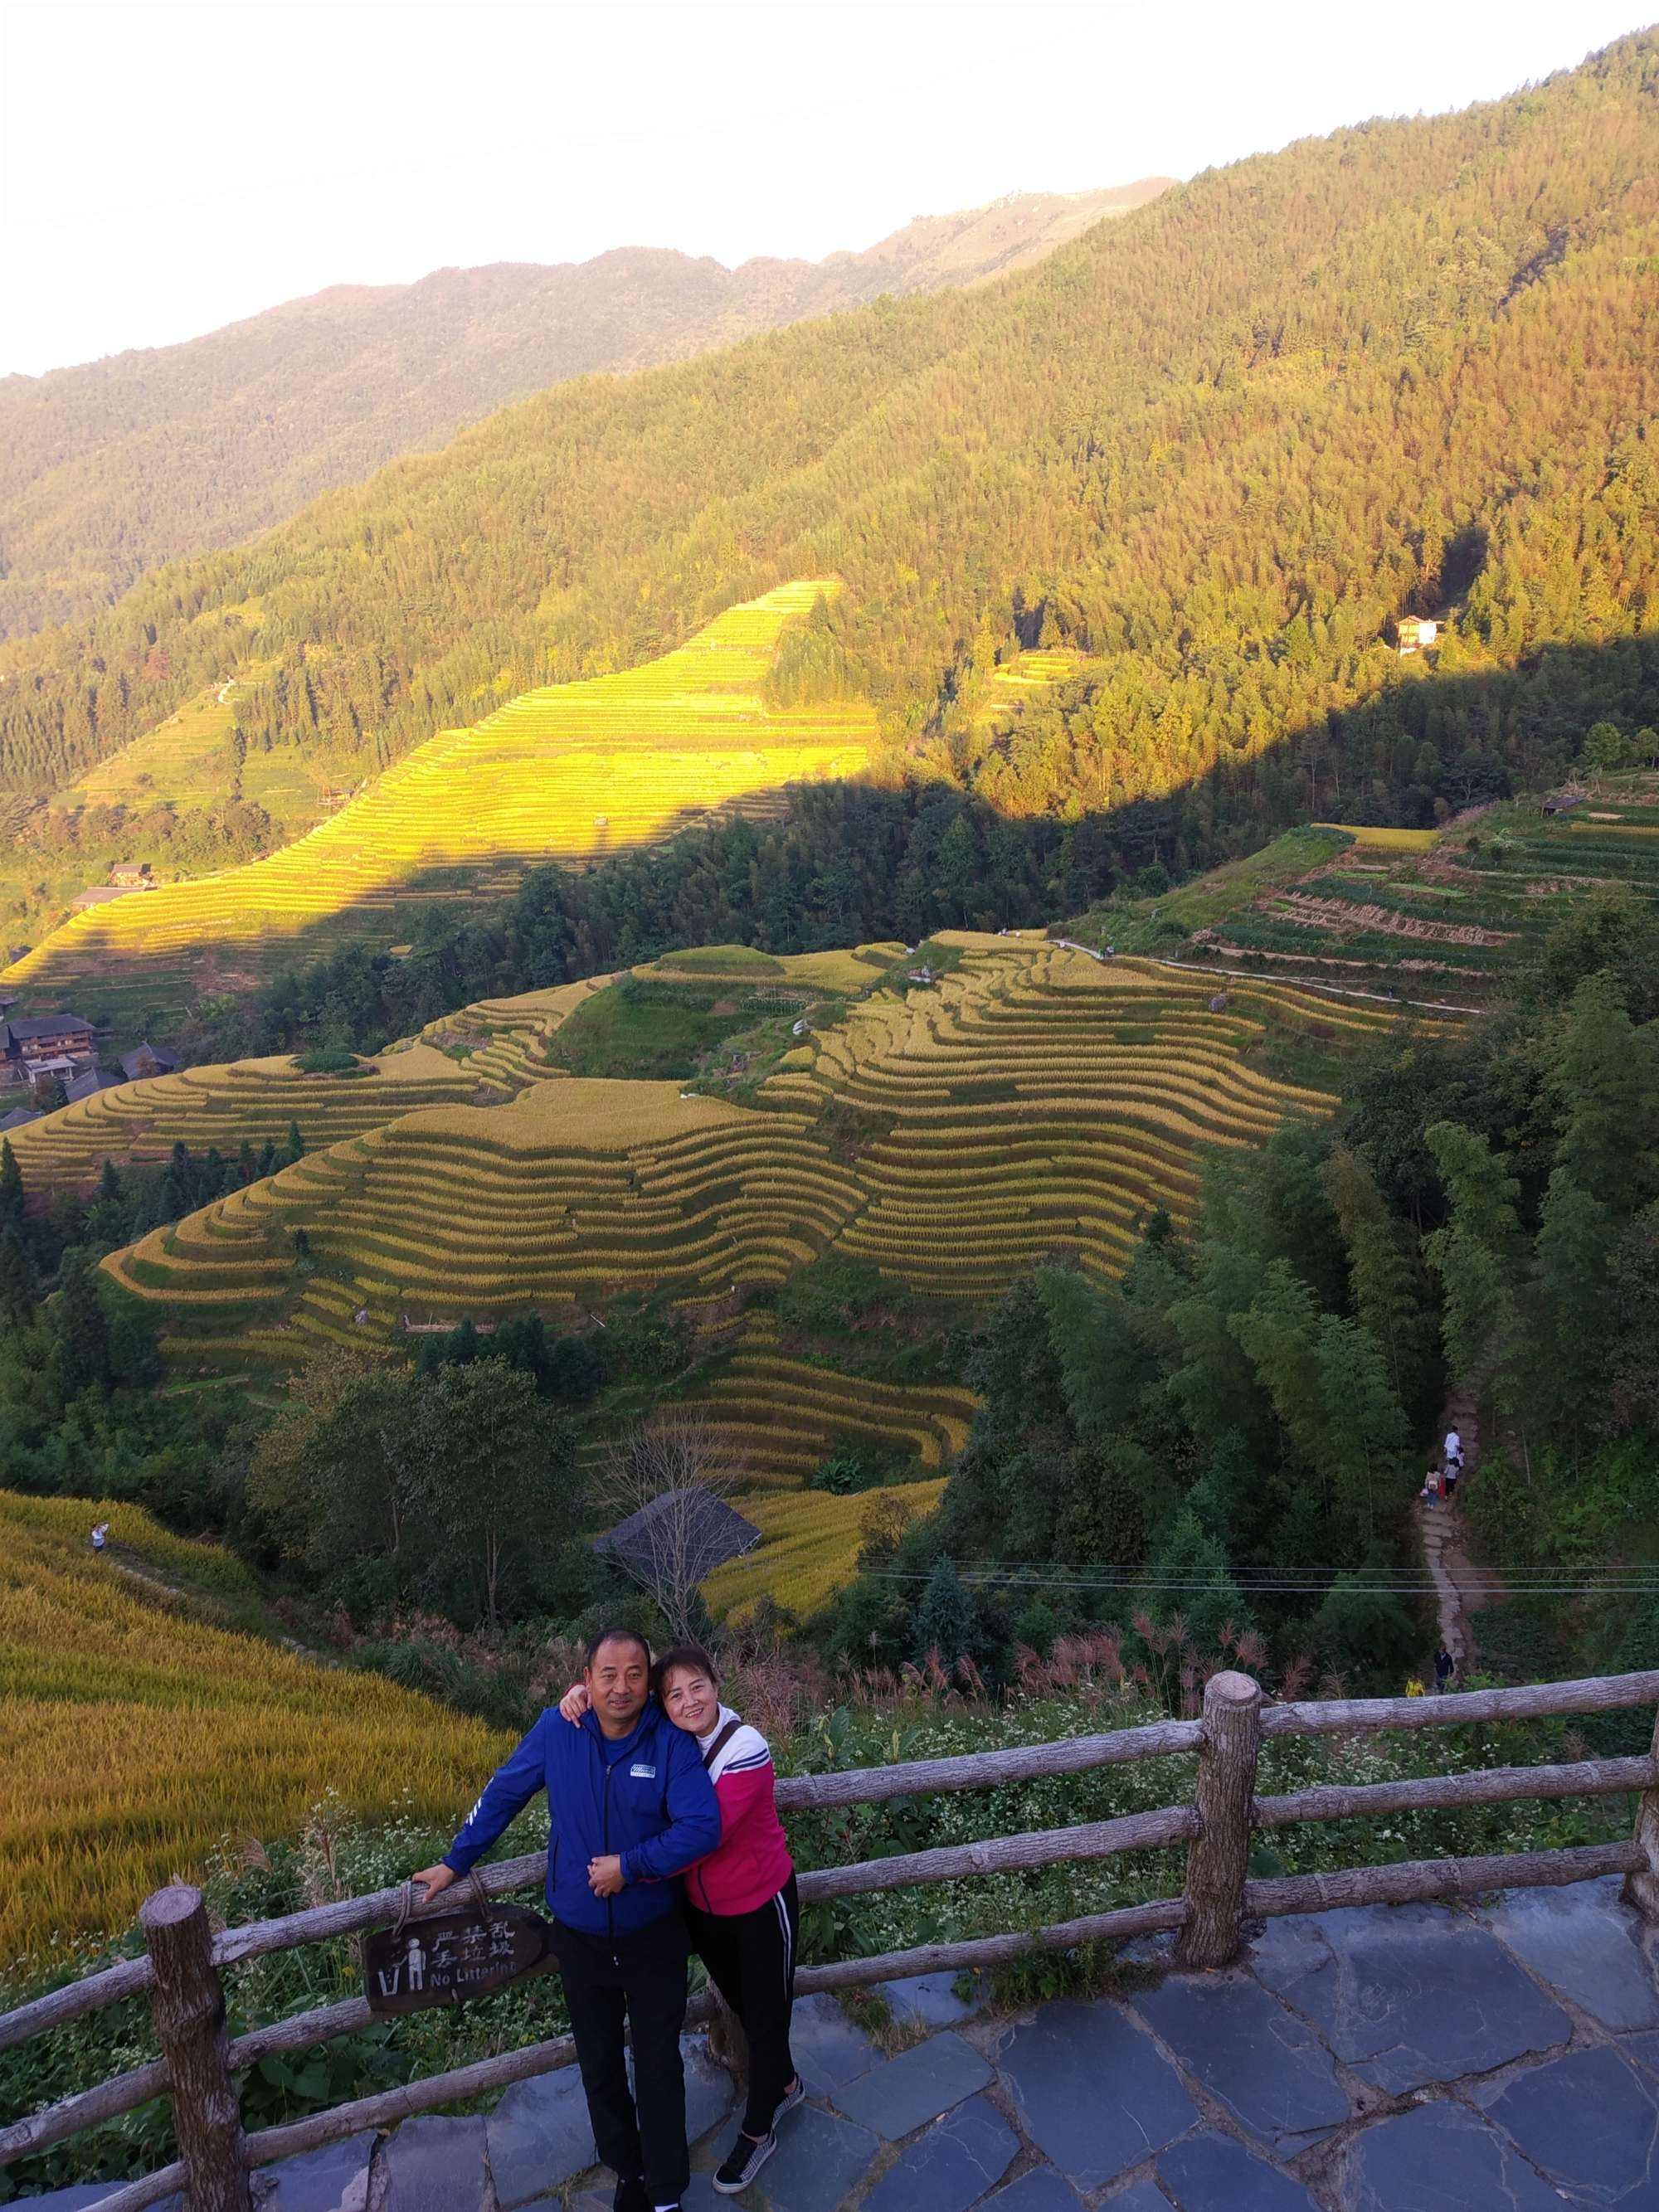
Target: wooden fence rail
x,y
183,1971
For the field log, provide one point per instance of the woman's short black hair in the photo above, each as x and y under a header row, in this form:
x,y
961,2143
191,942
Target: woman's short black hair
x,y
690,1655
614,1636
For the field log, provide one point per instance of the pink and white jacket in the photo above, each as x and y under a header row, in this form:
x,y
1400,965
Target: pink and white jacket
x,y
751,1863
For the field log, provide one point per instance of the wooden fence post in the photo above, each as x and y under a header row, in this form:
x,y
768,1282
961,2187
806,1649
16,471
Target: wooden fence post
x,y
1218,1857
189,2021
1642,1888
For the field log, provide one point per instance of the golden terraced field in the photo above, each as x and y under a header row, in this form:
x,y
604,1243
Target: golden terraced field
x,y
136,1735
246,1101
1033,1103
568,773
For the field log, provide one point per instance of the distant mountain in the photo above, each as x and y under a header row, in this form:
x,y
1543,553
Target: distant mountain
x,y
107,470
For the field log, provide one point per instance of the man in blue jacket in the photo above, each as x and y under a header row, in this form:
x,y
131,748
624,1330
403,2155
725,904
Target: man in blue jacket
x,y
629,1805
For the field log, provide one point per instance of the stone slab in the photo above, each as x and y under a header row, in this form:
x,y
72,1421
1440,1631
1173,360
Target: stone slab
x,y
332,2179
1268,2068
950,2165
1590,2121
928,1999
1584,1943
437,2165
914,2088
1409,1994
1094,2093
829,2049
1206,2171
1141,2196
819,2160
1042,2190
538,2137
710,2092
1440,2158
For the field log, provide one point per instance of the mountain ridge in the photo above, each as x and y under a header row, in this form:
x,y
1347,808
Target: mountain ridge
x,y
109,467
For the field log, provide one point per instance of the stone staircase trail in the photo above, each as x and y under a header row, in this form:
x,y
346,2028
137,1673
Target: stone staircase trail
x,y
1444,1534
1498,2057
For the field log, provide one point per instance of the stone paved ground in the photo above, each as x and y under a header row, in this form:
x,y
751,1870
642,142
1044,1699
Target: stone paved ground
x,y
1495,2058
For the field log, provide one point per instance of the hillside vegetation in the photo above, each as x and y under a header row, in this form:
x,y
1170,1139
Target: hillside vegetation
x,y
137,1732
110,469
569,772
1213,450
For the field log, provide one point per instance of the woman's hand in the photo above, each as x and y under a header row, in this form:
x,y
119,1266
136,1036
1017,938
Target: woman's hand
x,y
574,1701
604,1876
434,1880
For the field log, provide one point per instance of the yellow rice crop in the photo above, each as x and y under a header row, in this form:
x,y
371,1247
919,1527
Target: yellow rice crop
x,y
1387,841
567,773
135,1737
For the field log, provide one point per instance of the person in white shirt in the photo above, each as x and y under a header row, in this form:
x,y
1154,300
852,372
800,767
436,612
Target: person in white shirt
x,y
1454,1450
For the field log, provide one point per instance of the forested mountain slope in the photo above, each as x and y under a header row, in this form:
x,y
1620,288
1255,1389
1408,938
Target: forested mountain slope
x,y
1215,448
108,469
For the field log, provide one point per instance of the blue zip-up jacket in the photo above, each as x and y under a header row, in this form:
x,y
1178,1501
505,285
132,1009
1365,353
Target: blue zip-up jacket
x,y
651,1803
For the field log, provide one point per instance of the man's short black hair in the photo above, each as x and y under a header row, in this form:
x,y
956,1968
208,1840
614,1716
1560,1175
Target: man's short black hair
x,y
615,1636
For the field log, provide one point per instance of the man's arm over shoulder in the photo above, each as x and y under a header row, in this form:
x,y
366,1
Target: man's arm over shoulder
x,y
693,1816
504,1797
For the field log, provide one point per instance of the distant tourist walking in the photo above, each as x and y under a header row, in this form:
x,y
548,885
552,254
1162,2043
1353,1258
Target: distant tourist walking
x,y
630,1807
1430,1493
99,1535
1454,1450
1449,1476
740,1901
1445,1667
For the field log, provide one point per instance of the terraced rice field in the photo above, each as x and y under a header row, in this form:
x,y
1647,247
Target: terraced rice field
x,y
1452,916
566,773
786,1416
1032,1104
497,1045
136,1737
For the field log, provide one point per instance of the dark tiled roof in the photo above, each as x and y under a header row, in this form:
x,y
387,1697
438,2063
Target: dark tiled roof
x,y
46,1026
647,1538
84,1085
146,1059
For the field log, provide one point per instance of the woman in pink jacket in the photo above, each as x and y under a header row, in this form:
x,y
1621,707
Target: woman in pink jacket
x,y
740,1902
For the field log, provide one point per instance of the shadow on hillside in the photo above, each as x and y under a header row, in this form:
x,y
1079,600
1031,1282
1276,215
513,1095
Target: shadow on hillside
x,y
841,863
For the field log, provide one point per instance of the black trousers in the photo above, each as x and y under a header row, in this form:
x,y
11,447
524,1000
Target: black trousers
x,y
751,1959
638,1974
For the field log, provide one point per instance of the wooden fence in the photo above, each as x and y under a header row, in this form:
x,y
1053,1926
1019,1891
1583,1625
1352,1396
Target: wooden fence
x,y
201,2061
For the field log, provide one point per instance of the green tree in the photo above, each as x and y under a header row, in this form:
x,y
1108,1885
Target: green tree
x,y
1479,1255
1604,749
18,1295
497,1482
81,1337
944,1620
11,1187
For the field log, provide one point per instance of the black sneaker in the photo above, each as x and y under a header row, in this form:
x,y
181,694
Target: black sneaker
x,y
791,2097
743,2162
630,2195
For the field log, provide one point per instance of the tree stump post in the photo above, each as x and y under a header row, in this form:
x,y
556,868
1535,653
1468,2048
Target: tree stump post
x,y
189,2006
1642,1886
1218,1857
727,2044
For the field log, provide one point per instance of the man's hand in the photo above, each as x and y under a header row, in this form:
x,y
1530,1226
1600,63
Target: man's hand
x,y
574,1701
433,1880
604,1876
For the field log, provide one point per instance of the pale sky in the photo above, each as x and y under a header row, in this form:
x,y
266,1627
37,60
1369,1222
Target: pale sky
x,y
165,169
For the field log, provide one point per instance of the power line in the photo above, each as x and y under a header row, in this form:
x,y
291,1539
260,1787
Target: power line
x,y
1359,1585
